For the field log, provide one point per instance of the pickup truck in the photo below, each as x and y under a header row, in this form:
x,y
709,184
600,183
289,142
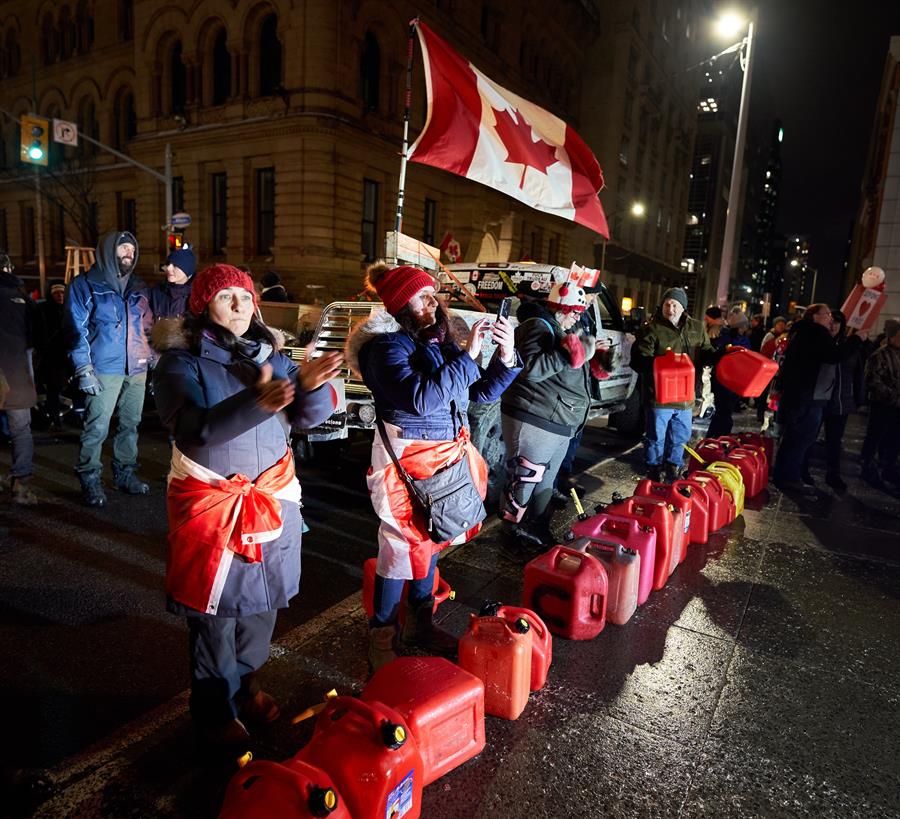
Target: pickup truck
x,y
488,283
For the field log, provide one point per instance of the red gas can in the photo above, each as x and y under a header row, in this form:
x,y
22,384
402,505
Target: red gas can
x,y
728,507
745,372
623,568
673,378
441,591
442,704
292,789
762,460
371,756
499,654
751,466
629,532
699,509
674,497
541,638
718,506
669,533
568,590
710,450
754,438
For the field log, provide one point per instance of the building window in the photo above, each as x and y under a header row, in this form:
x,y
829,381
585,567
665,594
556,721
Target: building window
x,y
126,213
370,72
87,124
59,234
178,76
126,19
84,21
533,252
177,194
369,227
49,41
265,211
553,249
67,34
13,53
221,65
429,222
219,214
125,119
269,56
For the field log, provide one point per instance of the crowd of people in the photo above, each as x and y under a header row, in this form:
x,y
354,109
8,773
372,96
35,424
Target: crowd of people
x,y
229,399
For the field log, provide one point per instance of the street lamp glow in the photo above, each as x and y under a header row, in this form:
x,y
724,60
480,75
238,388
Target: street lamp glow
x,y
638,209
730,24
795,263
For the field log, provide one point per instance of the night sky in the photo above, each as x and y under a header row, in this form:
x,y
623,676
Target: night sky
x,y
819,67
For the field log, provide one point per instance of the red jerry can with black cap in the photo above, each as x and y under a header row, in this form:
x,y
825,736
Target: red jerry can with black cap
x,y
678,498
541,638
673,378
567,589
442,704
499,654
292,789
371,756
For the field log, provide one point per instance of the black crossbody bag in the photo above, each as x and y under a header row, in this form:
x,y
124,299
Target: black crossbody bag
x,y
448,499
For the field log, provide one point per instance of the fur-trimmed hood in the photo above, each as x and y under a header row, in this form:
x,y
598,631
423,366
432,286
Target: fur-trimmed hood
x,y
168,334
378,324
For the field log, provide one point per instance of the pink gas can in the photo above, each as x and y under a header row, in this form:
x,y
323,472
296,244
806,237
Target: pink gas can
x,y
623,569
443,705
669,532
541,638
674,497
673,378
568,590
629,532
699,497
745,372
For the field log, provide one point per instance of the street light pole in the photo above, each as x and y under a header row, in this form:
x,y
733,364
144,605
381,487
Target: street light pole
x,y
734,192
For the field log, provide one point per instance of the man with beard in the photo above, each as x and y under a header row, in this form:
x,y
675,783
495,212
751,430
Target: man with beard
x,y
108,320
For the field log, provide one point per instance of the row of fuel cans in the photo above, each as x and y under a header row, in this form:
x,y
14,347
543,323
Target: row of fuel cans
x,y
418,718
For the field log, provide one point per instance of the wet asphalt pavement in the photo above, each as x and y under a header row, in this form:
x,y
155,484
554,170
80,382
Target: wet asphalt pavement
x,y
761,681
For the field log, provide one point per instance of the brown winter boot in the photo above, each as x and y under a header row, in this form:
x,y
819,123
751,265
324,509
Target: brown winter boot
x,y
419,630
382,645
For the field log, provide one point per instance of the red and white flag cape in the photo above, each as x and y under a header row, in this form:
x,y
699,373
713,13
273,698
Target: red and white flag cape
x,y
482,131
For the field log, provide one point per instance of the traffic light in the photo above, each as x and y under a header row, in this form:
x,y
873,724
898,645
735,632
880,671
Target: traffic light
x,y
175,240
34,143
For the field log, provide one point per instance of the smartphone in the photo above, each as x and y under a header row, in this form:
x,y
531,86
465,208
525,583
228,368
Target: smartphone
x,y
505,305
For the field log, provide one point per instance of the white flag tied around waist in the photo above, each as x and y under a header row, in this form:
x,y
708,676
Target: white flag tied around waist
x,y
480,130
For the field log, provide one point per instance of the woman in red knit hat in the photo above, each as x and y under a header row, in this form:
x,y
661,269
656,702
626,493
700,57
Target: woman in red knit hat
x,y
422,381
227,397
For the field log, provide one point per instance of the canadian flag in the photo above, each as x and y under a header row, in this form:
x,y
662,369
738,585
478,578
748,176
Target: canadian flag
x,y
482,131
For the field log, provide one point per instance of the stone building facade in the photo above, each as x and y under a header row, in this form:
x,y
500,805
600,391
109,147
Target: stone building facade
x,y
285,120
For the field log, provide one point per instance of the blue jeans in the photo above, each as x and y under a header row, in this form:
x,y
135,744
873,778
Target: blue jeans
x,y
800,427
389,590
22,443
122,392
668,430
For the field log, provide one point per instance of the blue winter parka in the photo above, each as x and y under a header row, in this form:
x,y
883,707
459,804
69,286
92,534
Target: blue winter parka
x,y
207,401
107,318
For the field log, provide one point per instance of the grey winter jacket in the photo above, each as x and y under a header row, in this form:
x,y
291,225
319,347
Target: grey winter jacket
x,y
883,375
19,323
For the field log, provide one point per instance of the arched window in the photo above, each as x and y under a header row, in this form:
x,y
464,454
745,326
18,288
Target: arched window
x,y
370,72
49,40
178,80
221,68
66,34
84,23
269,56
125,118
13,53
126,19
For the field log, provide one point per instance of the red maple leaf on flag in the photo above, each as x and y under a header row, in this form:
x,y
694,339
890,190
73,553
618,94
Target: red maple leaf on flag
x,y
520,146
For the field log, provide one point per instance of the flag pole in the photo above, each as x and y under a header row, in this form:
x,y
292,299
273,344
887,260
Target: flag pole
x,y
401,188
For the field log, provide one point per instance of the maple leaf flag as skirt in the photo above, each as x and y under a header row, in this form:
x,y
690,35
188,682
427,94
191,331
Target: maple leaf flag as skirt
x,y
480,130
